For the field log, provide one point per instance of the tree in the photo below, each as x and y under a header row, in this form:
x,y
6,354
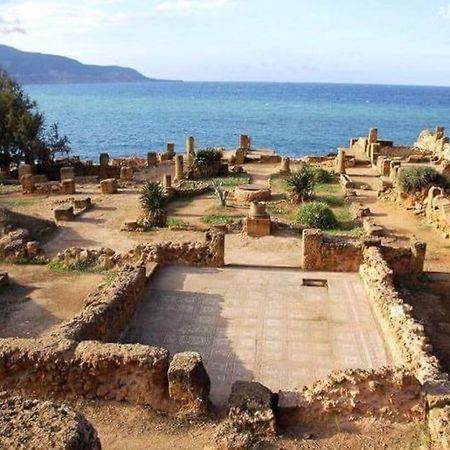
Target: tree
x,y
301,184
23,136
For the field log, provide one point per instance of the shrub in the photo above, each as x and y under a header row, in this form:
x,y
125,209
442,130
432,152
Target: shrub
x,y
316,215
321,176
301,183
208,156
416,178
153,202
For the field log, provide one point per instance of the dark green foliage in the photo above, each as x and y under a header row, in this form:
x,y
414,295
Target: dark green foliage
x,y
152,197
316,215
208,156
414,179
301,183
321,176
23,136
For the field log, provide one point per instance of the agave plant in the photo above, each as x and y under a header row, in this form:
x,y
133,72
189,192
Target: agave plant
x,y
153,203
220,193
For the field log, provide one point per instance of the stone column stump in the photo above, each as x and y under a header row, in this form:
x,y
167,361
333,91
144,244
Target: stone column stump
x,y
67,173
68,186
109,186
179,174
152,159
285,167
340,162
126,173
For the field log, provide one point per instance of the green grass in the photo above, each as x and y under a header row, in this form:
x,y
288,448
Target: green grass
x,y
327,188
175,222
235,180
75,267
219,219
33,261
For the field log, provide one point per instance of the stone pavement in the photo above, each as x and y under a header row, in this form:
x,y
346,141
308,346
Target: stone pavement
x,y
260,324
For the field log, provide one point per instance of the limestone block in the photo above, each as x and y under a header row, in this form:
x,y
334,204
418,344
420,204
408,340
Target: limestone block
x,y
68,186
340,162
82,203
245,142
109,186
28,186
64,213
285,165
189,382
129,225
258,226
240,156
170,148
167,181
152,159
126,173
252,408
179,175
104,159
252,193
67,173
25,169
33,248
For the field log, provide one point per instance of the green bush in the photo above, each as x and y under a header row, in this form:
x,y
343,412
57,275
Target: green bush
x,y
301,183
316,215
416,178
321,176
208,156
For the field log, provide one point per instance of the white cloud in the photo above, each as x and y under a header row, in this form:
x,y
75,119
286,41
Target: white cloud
x,y
192,5
11,26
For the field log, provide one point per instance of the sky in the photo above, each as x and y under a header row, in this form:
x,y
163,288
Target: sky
x,y
350,41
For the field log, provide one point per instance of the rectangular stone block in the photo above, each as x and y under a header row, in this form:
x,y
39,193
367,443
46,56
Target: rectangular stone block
x,y
258,227
109,186
64,213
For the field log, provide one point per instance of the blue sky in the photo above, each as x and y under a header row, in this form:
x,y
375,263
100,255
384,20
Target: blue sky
x,y
249,40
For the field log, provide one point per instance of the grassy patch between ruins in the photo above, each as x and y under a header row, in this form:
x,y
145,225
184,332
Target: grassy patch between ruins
x,y
77,267
176,222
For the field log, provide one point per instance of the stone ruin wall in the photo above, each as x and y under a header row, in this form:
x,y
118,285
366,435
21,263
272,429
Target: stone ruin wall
x,y
210,253
436,143
343,254
388,393
76,360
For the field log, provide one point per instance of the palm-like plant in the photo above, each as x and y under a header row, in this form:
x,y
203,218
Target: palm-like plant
x,y
153,203
301,183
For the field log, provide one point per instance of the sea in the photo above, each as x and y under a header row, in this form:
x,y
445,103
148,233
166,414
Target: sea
x,y
295,119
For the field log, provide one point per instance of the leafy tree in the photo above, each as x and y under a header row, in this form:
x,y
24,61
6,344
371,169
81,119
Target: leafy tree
x,y
23,136
416,178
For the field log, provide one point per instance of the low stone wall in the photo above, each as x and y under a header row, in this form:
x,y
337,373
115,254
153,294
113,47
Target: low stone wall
x,y
408,342
330,253
210,253
387,393
107,310
78,359
345,254
35,424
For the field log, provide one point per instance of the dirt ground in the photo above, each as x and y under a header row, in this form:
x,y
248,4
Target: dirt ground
x,y
122,427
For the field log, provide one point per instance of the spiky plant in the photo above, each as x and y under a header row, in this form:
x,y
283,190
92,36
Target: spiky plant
x,y
220,193
301,184
153,203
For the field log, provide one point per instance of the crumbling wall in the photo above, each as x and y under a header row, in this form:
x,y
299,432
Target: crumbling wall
x,y
406,337
330,253
345,254
107,310
57,367
387,393
436,143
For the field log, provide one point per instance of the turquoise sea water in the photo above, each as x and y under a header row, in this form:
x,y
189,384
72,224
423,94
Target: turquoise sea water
x,y
293,118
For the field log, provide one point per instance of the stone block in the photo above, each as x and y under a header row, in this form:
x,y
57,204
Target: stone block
x,y
25,169
109,186
82,203
189,382
68,186
126,173
27,182
152,159
64,213
33,248
67,173
129,225
252,409
258,226
104,159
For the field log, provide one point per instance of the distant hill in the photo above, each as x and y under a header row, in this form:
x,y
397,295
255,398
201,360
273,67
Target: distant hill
x,y
39,68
